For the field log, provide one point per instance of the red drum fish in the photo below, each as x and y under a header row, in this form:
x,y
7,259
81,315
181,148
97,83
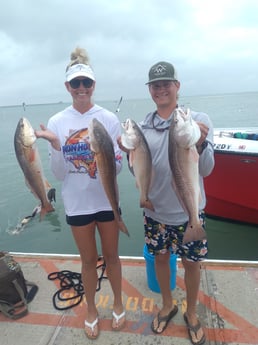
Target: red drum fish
x,y
139,159
28,157
184,159
102,144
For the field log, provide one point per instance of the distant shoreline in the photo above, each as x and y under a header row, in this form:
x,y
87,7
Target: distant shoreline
x,y
22,105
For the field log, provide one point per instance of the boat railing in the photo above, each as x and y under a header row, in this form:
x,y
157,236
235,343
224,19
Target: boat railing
x,y
239,135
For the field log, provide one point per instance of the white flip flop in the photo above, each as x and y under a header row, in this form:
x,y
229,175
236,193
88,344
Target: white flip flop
x,y
117,318
91,325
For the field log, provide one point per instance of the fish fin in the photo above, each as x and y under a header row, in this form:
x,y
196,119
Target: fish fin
x,y
131,158
147,204
194,233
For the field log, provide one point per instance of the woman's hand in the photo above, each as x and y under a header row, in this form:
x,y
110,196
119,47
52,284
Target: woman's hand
x,y
45,133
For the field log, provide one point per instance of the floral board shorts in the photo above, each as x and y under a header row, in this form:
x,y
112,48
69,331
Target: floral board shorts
x,y
160,238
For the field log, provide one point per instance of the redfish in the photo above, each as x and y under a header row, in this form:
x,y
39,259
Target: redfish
x,y
102,144
28,157
139,159
184,159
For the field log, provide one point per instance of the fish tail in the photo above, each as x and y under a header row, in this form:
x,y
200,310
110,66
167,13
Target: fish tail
x,y
147,204
51,194
46,209
121,225
123,228
194,233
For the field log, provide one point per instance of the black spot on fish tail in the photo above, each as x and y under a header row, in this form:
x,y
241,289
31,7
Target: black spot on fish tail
x,y
194,233
51,194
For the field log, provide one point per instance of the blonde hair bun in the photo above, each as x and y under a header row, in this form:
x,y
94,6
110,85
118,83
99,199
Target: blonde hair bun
x,y
79,55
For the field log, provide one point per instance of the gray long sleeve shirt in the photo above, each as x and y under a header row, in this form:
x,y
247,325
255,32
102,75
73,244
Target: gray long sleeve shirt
x,y
168,209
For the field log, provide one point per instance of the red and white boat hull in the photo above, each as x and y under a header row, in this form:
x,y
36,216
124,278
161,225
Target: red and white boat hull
x,y
232,187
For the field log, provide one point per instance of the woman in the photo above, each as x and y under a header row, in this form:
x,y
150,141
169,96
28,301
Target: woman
x,y
86,204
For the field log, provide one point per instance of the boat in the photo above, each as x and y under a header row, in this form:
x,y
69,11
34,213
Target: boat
x,y
232,188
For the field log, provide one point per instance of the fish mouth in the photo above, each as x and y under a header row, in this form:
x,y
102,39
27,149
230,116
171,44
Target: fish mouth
x,y
25,133
126,124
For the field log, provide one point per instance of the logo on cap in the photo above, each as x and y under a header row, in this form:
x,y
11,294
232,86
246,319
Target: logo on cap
x,y
159,70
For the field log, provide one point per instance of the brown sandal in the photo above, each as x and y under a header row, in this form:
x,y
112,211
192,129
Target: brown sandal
x,y
194,329
164,319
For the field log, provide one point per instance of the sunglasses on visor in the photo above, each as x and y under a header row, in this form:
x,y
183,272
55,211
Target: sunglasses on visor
x,y
76,83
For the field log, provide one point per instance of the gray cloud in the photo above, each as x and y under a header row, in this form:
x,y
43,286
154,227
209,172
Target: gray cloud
x,y
212,46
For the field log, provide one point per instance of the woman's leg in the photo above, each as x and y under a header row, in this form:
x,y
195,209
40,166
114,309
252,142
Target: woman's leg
x,y
109,234
85,239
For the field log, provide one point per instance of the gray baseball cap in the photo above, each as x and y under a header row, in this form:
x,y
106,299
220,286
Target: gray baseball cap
x,y
162,71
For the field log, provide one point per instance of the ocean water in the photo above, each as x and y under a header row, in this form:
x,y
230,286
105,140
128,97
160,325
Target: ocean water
x,y
52,235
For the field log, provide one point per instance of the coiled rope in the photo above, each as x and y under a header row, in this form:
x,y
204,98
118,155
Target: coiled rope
x,y
71,290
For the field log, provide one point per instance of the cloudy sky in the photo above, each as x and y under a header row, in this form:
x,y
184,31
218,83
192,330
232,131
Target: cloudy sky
x,y
213,45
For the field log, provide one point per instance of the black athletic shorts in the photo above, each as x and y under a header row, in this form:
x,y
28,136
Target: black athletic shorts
x,y
85,219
